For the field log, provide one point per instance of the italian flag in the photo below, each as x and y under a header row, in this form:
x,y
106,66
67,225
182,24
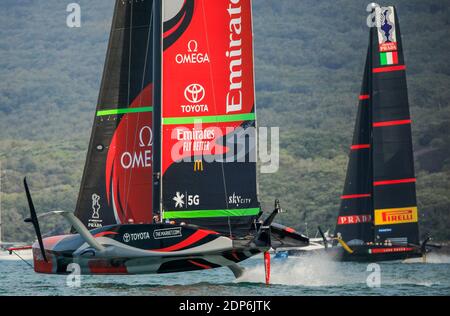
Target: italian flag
x,y
389,58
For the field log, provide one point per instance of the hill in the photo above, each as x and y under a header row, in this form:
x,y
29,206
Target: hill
x,y
309,58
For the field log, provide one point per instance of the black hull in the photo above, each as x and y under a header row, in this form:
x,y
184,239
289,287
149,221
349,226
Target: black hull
x,y
365,253
143,249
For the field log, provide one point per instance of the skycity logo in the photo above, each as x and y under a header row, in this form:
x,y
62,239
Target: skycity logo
x,y
238,200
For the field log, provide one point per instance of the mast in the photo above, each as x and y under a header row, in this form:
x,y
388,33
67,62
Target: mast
x,y
157,102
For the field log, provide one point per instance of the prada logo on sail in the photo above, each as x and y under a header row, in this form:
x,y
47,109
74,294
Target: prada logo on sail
x,y
396,216
234,54
198,165
354,219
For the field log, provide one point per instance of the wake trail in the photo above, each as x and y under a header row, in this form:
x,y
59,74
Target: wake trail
x,y
310,270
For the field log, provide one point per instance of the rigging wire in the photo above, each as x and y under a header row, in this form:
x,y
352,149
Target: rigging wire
x,y
215,108
130,41
29,264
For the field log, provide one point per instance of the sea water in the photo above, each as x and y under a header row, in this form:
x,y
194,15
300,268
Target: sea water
x,y
311,275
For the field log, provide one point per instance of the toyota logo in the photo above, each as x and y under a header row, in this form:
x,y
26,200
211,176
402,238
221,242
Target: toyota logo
x,y
194,93
126,237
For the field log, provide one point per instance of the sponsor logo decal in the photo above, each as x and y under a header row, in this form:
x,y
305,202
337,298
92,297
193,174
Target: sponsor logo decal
x,y
167,233
136,236
354,219
387,37
95,206
396,216
179,200
390,250
185,200
194,93
238,200
198,165
95,221
142,158
193,56
385,230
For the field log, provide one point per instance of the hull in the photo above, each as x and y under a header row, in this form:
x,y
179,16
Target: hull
x,y
142,249
364,253
376,253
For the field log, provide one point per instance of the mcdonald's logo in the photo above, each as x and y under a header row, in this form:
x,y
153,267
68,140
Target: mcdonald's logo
x,y
198,165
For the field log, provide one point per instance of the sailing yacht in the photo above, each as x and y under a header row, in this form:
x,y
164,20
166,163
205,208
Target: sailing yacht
x,y
378,217
168,184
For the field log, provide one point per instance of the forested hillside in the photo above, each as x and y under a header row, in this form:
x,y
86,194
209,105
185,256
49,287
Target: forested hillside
x,y
309,62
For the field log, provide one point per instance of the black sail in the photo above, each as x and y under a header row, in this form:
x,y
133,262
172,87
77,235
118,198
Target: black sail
x,y
394,196
379,200
355,214
117,181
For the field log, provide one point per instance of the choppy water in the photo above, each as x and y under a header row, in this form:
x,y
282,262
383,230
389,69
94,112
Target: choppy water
x,y
294,276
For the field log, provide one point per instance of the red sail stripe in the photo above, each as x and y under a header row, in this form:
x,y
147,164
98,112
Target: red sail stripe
x,y
175,27
289,230
392,123
389,69
105,267
360,146
234,254
364,97
19,248
395,57
390,250
105,234
355,196
198,235
400,181
204,266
